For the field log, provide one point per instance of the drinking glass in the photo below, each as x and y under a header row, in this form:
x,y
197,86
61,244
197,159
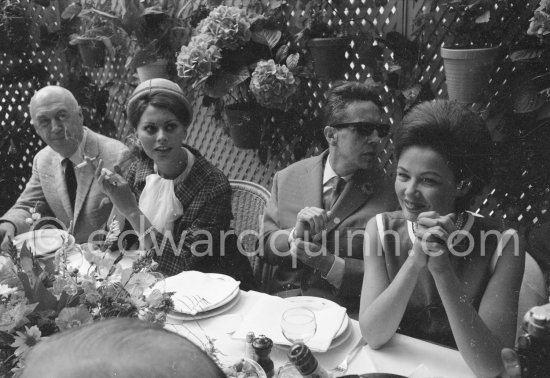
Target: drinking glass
x,y
298,324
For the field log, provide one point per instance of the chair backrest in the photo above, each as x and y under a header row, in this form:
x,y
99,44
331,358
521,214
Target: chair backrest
x,y
248,201
533,290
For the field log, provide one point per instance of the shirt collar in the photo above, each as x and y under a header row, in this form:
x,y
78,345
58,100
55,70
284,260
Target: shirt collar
x,y
77,157
329,173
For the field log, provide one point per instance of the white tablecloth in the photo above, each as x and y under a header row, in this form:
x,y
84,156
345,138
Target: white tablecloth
x,y
402,355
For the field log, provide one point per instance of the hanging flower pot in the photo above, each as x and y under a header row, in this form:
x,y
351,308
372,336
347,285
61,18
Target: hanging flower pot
x,y
16,26
329,56
467,72
244,125
153,70
92,52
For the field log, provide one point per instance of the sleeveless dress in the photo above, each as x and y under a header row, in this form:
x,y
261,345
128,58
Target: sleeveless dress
x,y
425,316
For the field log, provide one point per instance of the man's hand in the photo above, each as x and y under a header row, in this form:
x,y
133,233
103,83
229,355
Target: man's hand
x,y
7,231
313,255
511,363
310,222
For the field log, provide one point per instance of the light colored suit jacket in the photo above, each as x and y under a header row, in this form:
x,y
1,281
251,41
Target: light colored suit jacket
x,y
300,185
47,187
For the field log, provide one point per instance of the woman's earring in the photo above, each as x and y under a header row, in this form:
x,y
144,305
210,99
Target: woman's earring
x,y
138,141
464,185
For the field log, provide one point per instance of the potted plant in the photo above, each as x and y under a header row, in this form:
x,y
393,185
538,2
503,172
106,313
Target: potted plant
x,y
156,32
101,33
14,26
529,57
475,39
222,56
325,39
272,87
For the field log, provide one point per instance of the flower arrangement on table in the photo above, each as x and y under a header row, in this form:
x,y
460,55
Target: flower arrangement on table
x,y
35,304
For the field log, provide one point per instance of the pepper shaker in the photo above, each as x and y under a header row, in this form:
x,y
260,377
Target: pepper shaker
x,y
262,348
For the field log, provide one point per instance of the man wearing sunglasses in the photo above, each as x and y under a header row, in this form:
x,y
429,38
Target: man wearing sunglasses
x,y
314,222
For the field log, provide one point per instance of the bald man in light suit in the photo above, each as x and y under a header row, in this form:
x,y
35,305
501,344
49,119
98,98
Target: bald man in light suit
x,y
57,119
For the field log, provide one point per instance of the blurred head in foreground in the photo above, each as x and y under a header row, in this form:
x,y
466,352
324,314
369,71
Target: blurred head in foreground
x,y
119,348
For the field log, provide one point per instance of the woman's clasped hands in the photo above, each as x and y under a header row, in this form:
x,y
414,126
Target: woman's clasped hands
x,y
433,241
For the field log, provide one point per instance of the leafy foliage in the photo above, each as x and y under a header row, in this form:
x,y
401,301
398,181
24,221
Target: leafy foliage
x,y
478,23
37,302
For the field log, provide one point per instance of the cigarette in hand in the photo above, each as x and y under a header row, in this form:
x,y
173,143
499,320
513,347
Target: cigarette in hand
x,y
108,177
84,163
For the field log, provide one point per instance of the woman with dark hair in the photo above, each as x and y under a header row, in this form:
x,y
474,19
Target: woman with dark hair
x,y
434,270
176,201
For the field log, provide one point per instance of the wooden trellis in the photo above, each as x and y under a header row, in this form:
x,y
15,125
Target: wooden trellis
x,y
22,72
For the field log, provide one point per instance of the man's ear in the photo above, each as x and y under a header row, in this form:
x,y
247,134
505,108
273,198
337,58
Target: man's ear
x,y
330,135
80,115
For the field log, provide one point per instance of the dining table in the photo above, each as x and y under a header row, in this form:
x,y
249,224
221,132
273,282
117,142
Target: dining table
x,y
402,355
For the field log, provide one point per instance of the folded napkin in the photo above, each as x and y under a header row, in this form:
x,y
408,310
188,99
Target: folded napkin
x,y
198,292
265,318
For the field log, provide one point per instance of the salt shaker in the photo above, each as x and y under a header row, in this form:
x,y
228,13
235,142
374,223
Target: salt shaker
x,y
262,348
248,350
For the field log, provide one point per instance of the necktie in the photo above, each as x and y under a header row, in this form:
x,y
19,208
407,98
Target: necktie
x,y
70,179
338,186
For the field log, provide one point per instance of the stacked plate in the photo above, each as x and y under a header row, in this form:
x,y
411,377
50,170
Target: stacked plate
x,y
43,242
200,295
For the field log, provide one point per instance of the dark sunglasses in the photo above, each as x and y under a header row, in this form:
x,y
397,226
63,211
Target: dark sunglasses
x,y
365,128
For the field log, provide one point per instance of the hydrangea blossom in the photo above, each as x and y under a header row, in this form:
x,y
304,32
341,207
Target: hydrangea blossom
x,y
540,23
273,85
230,26
199,58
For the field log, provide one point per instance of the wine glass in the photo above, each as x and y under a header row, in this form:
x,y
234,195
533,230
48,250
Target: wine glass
x,y
298,324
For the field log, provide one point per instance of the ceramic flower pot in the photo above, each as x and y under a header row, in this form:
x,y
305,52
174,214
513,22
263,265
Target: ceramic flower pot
x,y
153,70
329,56
244,125
467,72
17,33
92,53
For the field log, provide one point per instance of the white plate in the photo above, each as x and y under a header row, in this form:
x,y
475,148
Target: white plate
x,y
47,240
316,304
226,287
176,317
339,340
